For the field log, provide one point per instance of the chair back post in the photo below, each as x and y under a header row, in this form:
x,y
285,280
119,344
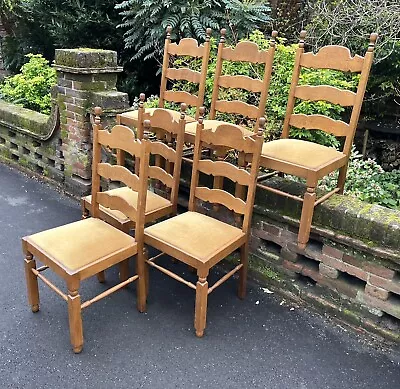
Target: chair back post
x,y
179,142
196,157
267,77
254,168
295,80
218,70
141,112
165,65
362,85
96,160
204,69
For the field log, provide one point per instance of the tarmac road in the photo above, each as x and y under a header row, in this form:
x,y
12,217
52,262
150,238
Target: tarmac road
x,y
260,342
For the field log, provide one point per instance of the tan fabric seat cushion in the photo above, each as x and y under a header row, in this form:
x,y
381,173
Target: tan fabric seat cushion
x,y
154,202
196,234
300,152
78,244
190,128
176,114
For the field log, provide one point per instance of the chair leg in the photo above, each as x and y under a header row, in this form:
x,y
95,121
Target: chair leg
x,y
75,320
124,265
142,285
200,314
342,178
85,211
101,276
244,260
306,217
31,283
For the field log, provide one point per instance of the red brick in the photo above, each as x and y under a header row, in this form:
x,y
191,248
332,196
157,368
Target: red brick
x,y
289,255
377,292
384,283
380,271
296,267
333,262
332,252
328,271
356,272
388,306
271,229
351,260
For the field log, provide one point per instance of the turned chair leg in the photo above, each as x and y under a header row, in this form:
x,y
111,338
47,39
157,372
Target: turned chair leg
x,y
244,260
200,314
143,280
31,282
75,320
306,217
342,178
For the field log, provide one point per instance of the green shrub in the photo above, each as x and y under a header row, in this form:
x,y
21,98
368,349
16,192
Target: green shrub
x,y
31,88
367,181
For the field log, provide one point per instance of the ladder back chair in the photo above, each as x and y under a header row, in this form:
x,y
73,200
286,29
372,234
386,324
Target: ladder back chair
x,y
167,145
202,241
187,47
308,160
79,250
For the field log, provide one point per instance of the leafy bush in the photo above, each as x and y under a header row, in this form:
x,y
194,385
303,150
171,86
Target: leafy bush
x,y
146,21
278,91
367,181
31,88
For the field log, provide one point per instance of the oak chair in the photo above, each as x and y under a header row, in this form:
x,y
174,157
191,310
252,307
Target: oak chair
x,y
187,47
201,241
308,160
79,250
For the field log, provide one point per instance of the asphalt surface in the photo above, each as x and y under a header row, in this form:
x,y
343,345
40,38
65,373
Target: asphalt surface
x,y
261,342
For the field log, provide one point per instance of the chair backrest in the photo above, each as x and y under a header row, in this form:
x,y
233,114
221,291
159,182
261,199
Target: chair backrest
x,y
226,136
336,58
187,47
167,147
243,52
120,138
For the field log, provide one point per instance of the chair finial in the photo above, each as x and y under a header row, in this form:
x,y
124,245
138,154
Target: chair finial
x,y
142,98
98,112
183,109
202,111
303,34
208,34
169,29
261,125
372,41
223,33
272,42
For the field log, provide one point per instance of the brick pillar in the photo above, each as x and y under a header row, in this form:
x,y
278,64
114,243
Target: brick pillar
x,y
85,78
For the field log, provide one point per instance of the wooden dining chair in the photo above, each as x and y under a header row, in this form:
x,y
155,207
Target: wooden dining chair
x,y
187,47
309,160
202,241
167,148
79,250
250,53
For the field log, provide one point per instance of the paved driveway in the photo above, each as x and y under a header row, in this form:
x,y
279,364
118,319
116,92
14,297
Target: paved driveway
x,y
257,343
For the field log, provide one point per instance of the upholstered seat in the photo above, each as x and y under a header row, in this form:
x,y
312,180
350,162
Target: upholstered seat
x,y
131,117
154,202
190,128
195,234
77,245
306,154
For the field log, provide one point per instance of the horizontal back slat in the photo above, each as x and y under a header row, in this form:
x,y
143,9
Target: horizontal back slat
x,y
183,74
237,107
218,196
117,203
245,51
162,149
319,122
161,118
228,136
186,46
224,169
243,82
333,57
160,174
122,138
181,97
119,173
345,98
